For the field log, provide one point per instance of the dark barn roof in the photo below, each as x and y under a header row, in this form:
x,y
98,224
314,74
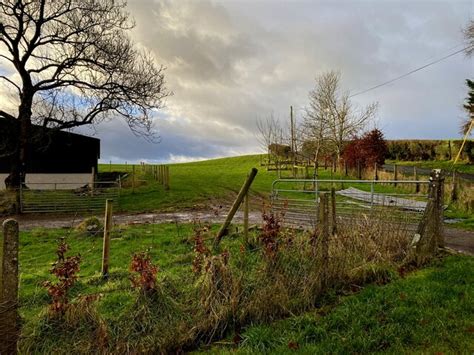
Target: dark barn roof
x,y
50,151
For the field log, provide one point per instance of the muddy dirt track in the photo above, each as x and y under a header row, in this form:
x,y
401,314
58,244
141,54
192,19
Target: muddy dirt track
x,y
457,239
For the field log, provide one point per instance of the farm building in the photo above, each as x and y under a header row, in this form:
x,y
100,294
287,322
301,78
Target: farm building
x,y
55,159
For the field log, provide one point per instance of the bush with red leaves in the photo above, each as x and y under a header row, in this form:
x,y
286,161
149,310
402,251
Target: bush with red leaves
x,y
272,224
201,251
371,148
146,279
65,269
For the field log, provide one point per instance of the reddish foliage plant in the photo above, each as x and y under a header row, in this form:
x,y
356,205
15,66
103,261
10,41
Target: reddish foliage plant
x,y
65,269
371,148
272,225
200,248
147,271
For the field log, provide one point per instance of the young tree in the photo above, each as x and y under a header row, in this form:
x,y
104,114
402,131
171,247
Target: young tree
x,y
333,112
74,64
272,139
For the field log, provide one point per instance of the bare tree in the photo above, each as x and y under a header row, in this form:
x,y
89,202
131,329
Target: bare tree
x,y
272,138
74,64
333,114
315,129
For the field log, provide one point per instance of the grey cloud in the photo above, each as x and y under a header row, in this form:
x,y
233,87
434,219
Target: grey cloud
x,y
229,62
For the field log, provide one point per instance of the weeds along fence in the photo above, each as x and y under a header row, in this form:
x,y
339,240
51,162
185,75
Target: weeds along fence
x,y
170,288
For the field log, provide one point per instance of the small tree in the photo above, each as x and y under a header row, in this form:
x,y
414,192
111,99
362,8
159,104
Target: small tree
x,y
366,151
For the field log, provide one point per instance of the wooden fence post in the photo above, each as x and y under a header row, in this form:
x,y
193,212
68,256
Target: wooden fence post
x,y
333,211
167,177
246,218
376,171
9,324
243,191
415,177
359,170
92,179
430,229
395,174
106,245
454,191
324,210
439,202
133,178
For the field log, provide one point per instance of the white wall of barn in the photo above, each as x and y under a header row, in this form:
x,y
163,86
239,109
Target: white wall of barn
x,y
52,181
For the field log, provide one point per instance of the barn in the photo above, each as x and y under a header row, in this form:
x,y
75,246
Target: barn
x,y
55,159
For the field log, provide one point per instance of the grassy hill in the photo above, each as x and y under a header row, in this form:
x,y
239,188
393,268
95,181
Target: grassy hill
x,y
198,184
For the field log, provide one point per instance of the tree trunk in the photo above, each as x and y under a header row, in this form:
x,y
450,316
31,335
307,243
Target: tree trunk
x,y
20,156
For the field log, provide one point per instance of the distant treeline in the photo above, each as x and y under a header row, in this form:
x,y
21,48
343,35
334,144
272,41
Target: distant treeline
x,y
413,150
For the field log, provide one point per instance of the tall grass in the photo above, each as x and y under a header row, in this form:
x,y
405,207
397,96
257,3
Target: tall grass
x,y
277,273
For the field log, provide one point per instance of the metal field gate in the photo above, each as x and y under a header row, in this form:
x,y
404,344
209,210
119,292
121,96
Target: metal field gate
x,y
402,202
67,197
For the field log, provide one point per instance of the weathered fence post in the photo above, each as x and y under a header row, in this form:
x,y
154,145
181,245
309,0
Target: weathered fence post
x,y
395,174
106,245
324,210
92,179
359,170
430,229
9,289
133,178
167,177
376,171
415,177
333,211
454,191
243,191
438,180
246,217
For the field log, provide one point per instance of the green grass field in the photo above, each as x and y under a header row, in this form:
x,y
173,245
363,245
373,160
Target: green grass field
x,y
199,184
206,183
429,312
446,165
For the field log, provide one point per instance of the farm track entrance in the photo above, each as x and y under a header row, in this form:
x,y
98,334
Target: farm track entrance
x,y
67,197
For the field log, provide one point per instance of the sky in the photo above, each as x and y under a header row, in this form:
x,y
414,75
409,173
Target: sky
x,y
229,63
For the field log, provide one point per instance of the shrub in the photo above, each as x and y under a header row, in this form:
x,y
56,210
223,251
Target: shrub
x,y
145,281
65,269
366,151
